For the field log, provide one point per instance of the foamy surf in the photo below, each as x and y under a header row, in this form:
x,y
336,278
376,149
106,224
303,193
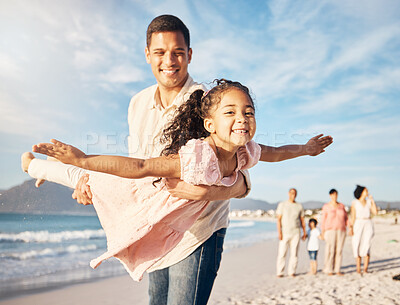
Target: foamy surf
x,y
50,237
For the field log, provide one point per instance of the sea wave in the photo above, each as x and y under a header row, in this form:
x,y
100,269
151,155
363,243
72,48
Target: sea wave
x,y
48,252
241,224
248,240
50,237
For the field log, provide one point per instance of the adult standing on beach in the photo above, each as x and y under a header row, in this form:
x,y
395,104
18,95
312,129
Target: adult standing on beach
x,y
290,216
187,273
362,208
333,225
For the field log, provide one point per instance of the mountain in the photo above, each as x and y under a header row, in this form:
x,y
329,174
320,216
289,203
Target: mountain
x,y
50,198
311,205
251,204
388,205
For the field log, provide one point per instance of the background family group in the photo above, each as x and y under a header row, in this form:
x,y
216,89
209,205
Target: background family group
x,y
334,223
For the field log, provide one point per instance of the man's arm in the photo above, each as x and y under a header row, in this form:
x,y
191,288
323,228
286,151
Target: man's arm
x,y
279,226
303,225
181,189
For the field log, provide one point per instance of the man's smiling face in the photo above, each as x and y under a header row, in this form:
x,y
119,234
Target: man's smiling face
x,y
169,57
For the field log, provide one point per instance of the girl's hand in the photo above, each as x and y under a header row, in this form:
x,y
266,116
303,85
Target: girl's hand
x,y
317,144
63,152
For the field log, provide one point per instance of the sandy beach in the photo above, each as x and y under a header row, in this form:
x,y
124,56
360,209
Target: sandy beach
x,y
247,276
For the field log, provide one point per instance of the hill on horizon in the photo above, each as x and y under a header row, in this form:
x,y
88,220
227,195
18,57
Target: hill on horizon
x,y
50,198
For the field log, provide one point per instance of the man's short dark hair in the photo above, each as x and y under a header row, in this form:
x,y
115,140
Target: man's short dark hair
x,y
167,23
332,191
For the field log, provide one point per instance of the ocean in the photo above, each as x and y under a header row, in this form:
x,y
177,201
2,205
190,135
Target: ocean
x,y
40,252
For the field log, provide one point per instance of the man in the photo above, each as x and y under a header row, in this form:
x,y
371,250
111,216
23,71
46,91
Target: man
x,y
290,216
186,274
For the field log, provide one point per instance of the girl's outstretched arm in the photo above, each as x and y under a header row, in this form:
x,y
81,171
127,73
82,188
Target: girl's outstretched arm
x,y
126,167
313,147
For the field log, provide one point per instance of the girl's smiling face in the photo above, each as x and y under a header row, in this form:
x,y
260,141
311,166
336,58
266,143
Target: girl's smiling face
x,y
232,123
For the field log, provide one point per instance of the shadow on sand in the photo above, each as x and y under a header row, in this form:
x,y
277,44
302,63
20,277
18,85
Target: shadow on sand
x,y
376,265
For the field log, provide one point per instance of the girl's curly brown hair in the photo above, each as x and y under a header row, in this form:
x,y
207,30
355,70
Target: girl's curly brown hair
x,y
188,122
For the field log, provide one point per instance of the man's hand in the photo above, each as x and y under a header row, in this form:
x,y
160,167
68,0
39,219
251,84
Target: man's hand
x,y
82,191
317,144
304,237
181,189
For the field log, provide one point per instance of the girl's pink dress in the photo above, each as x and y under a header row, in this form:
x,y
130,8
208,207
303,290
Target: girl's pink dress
x,y
142,222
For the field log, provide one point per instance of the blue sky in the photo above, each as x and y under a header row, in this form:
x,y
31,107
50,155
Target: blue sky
x,y
69,68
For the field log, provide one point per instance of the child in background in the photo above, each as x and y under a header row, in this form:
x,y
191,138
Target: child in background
x,y
313,244
208,142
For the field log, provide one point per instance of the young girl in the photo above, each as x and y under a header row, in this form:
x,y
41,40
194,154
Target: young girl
x,y
313,244
208,142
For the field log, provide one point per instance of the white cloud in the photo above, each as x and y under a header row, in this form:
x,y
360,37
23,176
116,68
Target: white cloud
x,y
215,56
371,13
361,51
370,134
85,59
9,67
360,90
123,74
329,101
30,121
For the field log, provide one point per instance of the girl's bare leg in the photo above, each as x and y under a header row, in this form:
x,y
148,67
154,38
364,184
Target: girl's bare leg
x,y
314,267
57,172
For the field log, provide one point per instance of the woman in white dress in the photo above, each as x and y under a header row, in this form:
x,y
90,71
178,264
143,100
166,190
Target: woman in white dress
x,y
362,208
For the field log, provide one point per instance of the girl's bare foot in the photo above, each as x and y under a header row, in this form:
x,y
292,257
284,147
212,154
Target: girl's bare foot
x,y
26,159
